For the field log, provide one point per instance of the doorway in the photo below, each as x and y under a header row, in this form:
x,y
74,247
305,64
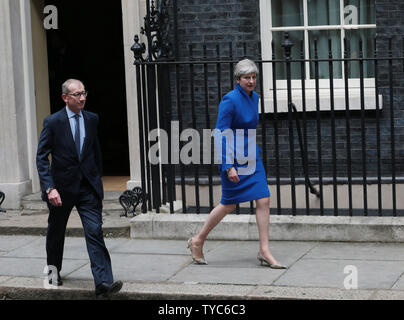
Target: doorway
x,y
88,45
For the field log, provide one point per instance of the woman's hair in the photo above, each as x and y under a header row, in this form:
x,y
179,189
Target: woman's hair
x,y
245,66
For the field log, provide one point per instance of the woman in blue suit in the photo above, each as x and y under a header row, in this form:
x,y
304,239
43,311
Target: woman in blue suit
x,y
238,115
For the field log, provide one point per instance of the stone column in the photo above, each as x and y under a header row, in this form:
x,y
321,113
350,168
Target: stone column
x,y
132,13
17,106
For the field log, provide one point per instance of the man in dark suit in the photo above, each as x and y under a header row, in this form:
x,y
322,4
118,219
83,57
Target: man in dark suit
x,y
73,179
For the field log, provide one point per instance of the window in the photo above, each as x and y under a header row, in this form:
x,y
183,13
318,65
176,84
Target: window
x,y
323,22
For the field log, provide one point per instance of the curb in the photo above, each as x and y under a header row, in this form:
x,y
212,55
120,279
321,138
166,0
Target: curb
x,y
109,232
182,291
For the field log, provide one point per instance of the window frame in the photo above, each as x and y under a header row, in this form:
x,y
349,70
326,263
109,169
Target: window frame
x,y
310,87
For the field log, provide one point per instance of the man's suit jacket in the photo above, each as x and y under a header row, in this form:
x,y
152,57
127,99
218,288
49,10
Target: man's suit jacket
x,y
66,168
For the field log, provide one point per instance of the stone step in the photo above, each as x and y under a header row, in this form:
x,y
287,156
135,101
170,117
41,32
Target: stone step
x,y
34,223
33,202
40,205
282,228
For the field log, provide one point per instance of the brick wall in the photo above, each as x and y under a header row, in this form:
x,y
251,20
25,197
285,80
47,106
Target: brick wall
x,y
215,22
390,23
217,25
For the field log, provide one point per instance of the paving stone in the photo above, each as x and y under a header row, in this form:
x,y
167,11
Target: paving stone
x,y
10,243
240,291
150,246
4,279
225,275
366,251
399,285
280,292
330,273
139,267
388,295
34,267
244,253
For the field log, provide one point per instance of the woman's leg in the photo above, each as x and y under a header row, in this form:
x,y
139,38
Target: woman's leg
x,y
216,215
262,216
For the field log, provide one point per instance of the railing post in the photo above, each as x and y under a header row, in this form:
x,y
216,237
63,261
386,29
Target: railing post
x,y
287,45
333,136
363,129
304,150
194,126
319,150
276,132
2,197
153,124
348,128
392,127
378,142
164,96
138,51
208,125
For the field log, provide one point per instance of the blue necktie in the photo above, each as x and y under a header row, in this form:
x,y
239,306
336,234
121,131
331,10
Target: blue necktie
x,y
77,135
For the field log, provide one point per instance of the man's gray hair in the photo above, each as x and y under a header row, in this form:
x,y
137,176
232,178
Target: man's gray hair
x,y
68,83
245,66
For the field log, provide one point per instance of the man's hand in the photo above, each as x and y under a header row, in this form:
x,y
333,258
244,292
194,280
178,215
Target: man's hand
x,y
233,175
54,198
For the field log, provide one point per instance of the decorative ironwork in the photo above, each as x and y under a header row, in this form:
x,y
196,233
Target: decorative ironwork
x,y
129,200
2,197
138,50
287,46
156,29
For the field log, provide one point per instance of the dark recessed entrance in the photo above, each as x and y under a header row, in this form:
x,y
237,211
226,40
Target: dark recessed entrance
x,y
88,45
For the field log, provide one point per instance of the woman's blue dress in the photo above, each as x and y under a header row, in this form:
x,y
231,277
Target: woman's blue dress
x,y
238,110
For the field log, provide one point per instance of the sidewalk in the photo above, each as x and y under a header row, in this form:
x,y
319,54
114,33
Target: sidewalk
x,y
163,269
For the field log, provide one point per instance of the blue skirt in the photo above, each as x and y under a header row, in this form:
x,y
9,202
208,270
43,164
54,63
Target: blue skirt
x,y
251,187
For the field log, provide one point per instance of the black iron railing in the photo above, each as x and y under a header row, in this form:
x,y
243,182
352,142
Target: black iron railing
x,y
320,158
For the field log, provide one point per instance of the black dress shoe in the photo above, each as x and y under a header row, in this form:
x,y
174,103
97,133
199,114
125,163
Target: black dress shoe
x,y
105,290
58,281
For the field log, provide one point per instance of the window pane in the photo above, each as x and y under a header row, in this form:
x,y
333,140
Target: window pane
x,y
297,38
359,12
323,12
286,13
353,37
323,37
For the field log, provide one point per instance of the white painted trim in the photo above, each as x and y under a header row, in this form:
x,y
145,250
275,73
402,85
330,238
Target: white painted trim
x,y
330,27
325,105
29,91
266,39
131,20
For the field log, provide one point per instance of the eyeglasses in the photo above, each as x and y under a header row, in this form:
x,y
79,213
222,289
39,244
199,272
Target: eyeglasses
x,y
79,94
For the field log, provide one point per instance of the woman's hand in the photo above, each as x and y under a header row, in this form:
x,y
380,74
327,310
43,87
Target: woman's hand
x,y
233,175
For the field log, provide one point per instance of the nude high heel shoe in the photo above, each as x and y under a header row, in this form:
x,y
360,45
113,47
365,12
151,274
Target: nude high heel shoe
x,y
264,261
196,260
